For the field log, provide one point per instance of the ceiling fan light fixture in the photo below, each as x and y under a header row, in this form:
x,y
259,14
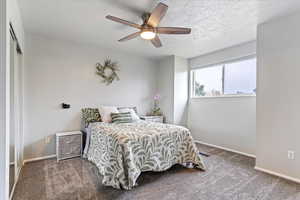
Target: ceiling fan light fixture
x,y
148,35
150,29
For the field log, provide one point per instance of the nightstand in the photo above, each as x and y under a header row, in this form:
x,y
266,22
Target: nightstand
x,y
68,145
159,119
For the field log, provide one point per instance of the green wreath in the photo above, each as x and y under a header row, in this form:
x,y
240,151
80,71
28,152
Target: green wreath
x,y
103,71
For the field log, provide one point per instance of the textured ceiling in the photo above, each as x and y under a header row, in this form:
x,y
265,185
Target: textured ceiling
x,y
215,24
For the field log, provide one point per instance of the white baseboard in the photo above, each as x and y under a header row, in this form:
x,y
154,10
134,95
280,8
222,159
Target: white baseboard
x,y
253,156
277,174
39,158
15,183
226,149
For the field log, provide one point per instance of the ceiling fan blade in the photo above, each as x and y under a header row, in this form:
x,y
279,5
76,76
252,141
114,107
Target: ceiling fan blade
x,y
122,21
173,30
156,42
158,13
129,37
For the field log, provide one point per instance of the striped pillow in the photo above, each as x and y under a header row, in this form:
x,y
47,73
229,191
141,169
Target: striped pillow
x,y
124,117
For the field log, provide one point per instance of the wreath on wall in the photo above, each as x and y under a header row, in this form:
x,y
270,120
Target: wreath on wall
x,y
108,71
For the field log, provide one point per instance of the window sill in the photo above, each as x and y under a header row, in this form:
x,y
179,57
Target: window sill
x,y
225,96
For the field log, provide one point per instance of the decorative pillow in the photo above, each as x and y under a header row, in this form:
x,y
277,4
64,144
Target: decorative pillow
x,y
132,107
132,111
90,115
121,117
105,112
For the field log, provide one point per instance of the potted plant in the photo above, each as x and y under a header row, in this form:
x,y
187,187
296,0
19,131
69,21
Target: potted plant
x,y
156,111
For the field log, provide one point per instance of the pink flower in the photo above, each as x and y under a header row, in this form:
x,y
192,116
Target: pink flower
x,y
156,97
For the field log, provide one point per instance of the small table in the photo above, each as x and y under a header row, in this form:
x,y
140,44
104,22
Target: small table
x,y
68,145
159,119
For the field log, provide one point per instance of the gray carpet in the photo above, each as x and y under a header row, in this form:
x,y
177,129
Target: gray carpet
x,y
229,176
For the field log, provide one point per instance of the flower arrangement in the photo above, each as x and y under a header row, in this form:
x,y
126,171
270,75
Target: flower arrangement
x,y
156,109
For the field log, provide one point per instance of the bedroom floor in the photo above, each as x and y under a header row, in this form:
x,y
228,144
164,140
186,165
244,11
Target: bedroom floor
x,y
229,176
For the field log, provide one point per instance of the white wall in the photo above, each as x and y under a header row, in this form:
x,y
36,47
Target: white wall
x,y
165,85
223,55
172,84
228,122
225,122
58,71
180,90
278,97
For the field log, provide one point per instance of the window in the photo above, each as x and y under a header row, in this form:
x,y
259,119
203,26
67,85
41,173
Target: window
x,y
234,78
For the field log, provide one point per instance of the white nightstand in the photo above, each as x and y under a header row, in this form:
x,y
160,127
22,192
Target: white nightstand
x,y
159,119
68,145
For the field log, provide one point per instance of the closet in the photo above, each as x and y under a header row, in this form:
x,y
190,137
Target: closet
x,y
16,111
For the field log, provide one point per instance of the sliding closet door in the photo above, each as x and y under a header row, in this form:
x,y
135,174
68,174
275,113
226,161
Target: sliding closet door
x,y
16,107
12,139
20,110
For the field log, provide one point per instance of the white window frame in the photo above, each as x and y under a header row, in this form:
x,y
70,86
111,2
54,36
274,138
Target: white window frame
x,y
192,85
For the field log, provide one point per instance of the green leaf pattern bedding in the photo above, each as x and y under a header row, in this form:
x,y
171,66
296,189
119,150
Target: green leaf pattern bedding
x,y
122,151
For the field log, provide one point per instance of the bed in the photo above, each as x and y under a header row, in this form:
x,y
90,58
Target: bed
x,y
122,151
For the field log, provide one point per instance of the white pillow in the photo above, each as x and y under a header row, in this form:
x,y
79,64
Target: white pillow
x,y
134,116
105,112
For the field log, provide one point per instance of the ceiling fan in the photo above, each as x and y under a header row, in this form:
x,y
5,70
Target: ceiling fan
x,y
149,30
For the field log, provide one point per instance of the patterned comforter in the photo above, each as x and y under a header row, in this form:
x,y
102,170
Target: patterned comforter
x,y
122,151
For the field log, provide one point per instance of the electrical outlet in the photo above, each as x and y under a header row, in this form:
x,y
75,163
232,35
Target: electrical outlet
x,y
291,155
47,139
